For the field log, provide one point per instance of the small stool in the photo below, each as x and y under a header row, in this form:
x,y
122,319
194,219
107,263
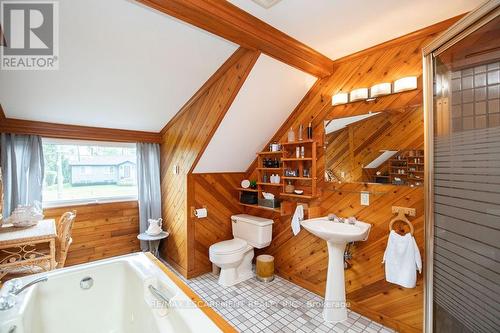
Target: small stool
x,y
153,241
264,268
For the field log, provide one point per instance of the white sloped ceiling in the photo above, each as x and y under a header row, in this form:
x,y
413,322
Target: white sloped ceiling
x,y
122,65
338,28
269,94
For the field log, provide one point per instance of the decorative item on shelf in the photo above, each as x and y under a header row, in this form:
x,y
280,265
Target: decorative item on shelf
x,y
359,94
301,132
291,173
289,188
302,152
154,227
297,152
298,192
273,147
275,179
270,203
265,178
380,89
268,196
253,184
26,216
291,135
248,198
340,98
306,173
245,183
270,163
405,84
310,131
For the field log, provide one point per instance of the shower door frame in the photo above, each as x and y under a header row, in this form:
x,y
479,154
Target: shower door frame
x,y
460,30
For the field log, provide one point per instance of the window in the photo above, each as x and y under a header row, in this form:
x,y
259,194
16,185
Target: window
x,y
82,172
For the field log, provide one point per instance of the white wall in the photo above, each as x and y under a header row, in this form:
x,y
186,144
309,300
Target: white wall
x,y
270,93
122,65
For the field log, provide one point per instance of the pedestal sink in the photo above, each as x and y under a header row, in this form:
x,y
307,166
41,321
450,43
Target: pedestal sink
x,y
337,235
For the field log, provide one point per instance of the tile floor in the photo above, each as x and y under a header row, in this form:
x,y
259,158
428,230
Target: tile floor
x,y
277,306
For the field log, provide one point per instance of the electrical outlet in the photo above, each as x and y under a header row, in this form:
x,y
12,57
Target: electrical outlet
x,y
365,198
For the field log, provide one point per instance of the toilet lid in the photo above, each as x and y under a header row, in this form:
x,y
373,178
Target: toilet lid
x,y
228,247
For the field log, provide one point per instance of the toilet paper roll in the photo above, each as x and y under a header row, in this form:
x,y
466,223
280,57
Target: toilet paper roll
x,y
201,213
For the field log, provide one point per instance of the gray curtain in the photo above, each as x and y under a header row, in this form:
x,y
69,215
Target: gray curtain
x,y
148,180
22,169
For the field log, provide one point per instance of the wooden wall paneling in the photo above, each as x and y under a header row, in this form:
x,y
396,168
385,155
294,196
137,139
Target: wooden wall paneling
x,y
232,23
216,192
303,258
101,230
183,141
61,131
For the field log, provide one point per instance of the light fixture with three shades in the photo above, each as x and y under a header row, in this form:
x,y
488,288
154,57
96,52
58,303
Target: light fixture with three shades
x,y
380,89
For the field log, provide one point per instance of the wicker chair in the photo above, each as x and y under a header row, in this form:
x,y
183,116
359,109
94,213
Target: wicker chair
x,y
63,227
64,240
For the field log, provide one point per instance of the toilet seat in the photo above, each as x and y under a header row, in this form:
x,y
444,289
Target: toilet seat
x,y
228,247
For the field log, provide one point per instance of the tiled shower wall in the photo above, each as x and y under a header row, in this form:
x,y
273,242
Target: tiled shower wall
x,y
475,97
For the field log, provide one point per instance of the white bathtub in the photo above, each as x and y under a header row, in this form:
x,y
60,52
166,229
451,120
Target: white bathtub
x,y
118,302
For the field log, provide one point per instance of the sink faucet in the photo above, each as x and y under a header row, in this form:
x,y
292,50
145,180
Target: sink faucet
x,y
333,218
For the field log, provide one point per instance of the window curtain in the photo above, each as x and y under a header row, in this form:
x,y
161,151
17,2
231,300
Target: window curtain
x,y
22,170
148,180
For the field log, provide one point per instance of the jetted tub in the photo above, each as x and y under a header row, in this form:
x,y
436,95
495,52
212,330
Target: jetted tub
x,y
119,300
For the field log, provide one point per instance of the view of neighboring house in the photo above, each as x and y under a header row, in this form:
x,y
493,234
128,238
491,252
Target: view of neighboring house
x,y
101,170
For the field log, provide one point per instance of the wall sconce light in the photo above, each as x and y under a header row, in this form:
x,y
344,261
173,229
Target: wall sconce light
x,y
359,94
340,98
380,89
405,83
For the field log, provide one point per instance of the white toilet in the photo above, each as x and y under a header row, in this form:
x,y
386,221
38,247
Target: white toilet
x,y
234,257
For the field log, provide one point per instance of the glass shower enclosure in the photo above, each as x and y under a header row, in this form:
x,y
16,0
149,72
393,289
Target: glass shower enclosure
x,y
462,120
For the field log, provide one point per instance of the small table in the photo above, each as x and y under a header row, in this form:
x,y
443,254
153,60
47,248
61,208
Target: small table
x,y
20,247
153,241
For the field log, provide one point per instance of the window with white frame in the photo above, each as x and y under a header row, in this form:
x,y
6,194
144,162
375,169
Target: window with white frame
x,y
83,171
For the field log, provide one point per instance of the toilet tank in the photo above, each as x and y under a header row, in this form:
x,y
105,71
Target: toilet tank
x,y
257,231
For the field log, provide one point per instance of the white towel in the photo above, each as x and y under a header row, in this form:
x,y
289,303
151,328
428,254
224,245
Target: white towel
x,y
297,217
402,260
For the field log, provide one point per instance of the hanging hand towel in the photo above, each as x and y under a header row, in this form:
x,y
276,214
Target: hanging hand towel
x,y
297,217
402,260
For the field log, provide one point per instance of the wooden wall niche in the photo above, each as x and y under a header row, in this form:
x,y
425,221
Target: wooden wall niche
x,y
184,140
303,258
216,192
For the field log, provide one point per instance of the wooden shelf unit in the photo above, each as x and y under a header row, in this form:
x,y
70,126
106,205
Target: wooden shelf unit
x,y
410,162
286,159
291,161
